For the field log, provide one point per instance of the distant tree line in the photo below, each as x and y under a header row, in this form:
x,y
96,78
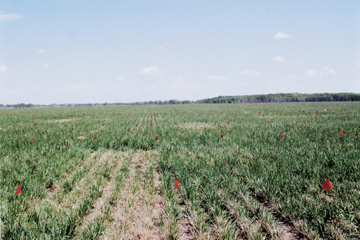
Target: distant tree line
x,y
264,98
284,97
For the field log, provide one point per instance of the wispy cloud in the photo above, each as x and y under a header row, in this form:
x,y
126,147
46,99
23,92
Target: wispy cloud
x,y
3,68
278,59
314,73
329,70
161,47
152,70
251,73
121,79
41,51
8,17
281,35
216,78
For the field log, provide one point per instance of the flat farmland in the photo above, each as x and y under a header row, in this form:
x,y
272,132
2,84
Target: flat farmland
x,y
245,171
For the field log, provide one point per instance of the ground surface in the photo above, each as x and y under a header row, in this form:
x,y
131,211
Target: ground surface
x,y
251,183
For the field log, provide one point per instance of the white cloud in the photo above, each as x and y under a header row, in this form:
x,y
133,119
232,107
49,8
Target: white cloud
x,y
41,51
300,62
3,68
216,78
281,35
278,59
179,83
161,47
358,64
314,73
45,65
251,73
152,70
9,17
329,70
121,79
290,76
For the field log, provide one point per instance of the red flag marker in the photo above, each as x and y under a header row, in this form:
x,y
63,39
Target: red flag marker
x,y
228,122
345,120
290,115
235,115
259,112
222,136
75,123
282,111
156,138
317,114
263,115
176,183
18,190
150,124
83,114
94,138
105,115
327,185
308,121
36,118
86,114
282,136
66,117
303,110
34,124
341,133
345,109
33,139
180,116
268,122
151,116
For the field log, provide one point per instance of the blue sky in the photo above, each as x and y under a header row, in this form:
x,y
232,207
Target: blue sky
x,y
126,51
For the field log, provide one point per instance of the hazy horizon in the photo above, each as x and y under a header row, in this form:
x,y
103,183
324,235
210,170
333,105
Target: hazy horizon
x,y
134,51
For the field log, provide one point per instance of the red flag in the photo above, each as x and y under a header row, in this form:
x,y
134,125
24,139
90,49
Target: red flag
x,y
180,116
268,122
33,139
151,116
282,111
156,138
75,123
94,138
345,120
83,114
176,183
290,115
341,133
18,190
303,110
308,121
345,109
105,115
66,117
235,115
317,114
150,124
326,185
86,114
228,122
222,136
259,112
282,136
34,124
36,118
263,115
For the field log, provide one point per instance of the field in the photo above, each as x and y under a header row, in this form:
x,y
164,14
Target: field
x,y
260,180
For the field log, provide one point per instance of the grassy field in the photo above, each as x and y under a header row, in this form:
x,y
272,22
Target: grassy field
x,y
252,183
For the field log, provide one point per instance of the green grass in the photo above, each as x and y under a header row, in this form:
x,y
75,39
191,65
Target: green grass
x,y
241,186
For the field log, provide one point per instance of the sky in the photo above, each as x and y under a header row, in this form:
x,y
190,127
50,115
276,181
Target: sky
x,y
129,51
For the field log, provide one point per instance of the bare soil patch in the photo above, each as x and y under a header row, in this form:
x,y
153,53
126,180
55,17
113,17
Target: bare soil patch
x,y
197,126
